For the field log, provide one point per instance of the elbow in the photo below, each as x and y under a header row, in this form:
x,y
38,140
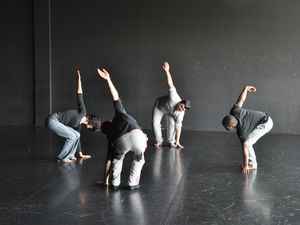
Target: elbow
x,y
116,97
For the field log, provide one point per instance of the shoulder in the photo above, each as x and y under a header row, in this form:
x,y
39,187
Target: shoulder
x,y
173,90
118,102
235,109
119,106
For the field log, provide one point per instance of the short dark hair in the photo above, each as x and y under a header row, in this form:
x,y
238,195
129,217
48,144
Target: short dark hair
x,y
106,127
187,104
95,121
228,120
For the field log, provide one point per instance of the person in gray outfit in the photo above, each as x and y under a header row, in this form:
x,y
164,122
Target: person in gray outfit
x,y
173,109
123,135
67,124
250,126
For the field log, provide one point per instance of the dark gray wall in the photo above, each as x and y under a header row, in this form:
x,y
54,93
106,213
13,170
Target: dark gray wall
x,y
16,63
214,48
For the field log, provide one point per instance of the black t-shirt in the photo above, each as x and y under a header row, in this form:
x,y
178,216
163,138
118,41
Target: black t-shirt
x,y
72,117
248,120
122,123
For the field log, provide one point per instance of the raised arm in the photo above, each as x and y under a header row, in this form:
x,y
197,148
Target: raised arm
x,y
105,75
80,102
79,87
166,68
241,99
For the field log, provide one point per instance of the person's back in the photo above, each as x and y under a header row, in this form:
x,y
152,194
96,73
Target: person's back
x,y
122,122
248,120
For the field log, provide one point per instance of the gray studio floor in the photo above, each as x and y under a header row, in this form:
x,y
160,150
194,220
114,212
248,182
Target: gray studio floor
x,y
201,184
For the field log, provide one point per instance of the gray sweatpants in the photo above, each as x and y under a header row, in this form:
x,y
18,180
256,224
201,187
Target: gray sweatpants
x,y
135,141
170,125
72,137
256,134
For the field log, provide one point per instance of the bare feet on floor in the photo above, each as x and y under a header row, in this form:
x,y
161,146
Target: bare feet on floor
x,y
158,144
251,167
172,145
64,161
85,156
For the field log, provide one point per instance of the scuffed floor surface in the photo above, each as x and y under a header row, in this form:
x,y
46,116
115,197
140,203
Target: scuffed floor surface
x,y
201,184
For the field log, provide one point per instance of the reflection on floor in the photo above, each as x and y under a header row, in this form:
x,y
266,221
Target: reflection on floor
x,y
200,184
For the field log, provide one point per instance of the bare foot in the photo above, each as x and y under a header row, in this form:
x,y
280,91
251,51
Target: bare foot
x,y
251,167
172,145
102,184
158,144
85,156
73,158
64,161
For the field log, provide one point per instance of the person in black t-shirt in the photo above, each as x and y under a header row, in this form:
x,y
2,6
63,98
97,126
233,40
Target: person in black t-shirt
x,y
250,125
123,135
67,124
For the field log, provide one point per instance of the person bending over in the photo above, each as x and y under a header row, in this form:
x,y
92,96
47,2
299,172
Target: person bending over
x,y
173,109
250,126
67,124
123,135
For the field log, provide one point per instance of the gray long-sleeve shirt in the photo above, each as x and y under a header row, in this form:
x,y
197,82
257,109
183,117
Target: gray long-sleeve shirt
x,y
167,105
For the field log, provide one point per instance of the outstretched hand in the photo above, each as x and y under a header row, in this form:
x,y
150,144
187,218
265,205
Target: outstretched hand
x,y
166,67
103,74
251,88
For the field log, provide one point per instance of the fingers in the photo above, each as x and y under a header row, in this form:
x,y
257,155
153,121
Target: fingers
x,y
101,73
105,71
166,66
245,171
178,145
251,88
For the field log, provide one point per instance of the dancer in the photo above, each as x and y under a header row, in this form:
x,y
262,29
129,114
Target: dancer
x,y
250,126
173,108
67,124
123,135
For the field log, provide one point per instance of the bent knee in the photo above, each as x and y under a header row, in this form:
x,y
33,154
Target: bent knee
x,y
157,123
74,136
